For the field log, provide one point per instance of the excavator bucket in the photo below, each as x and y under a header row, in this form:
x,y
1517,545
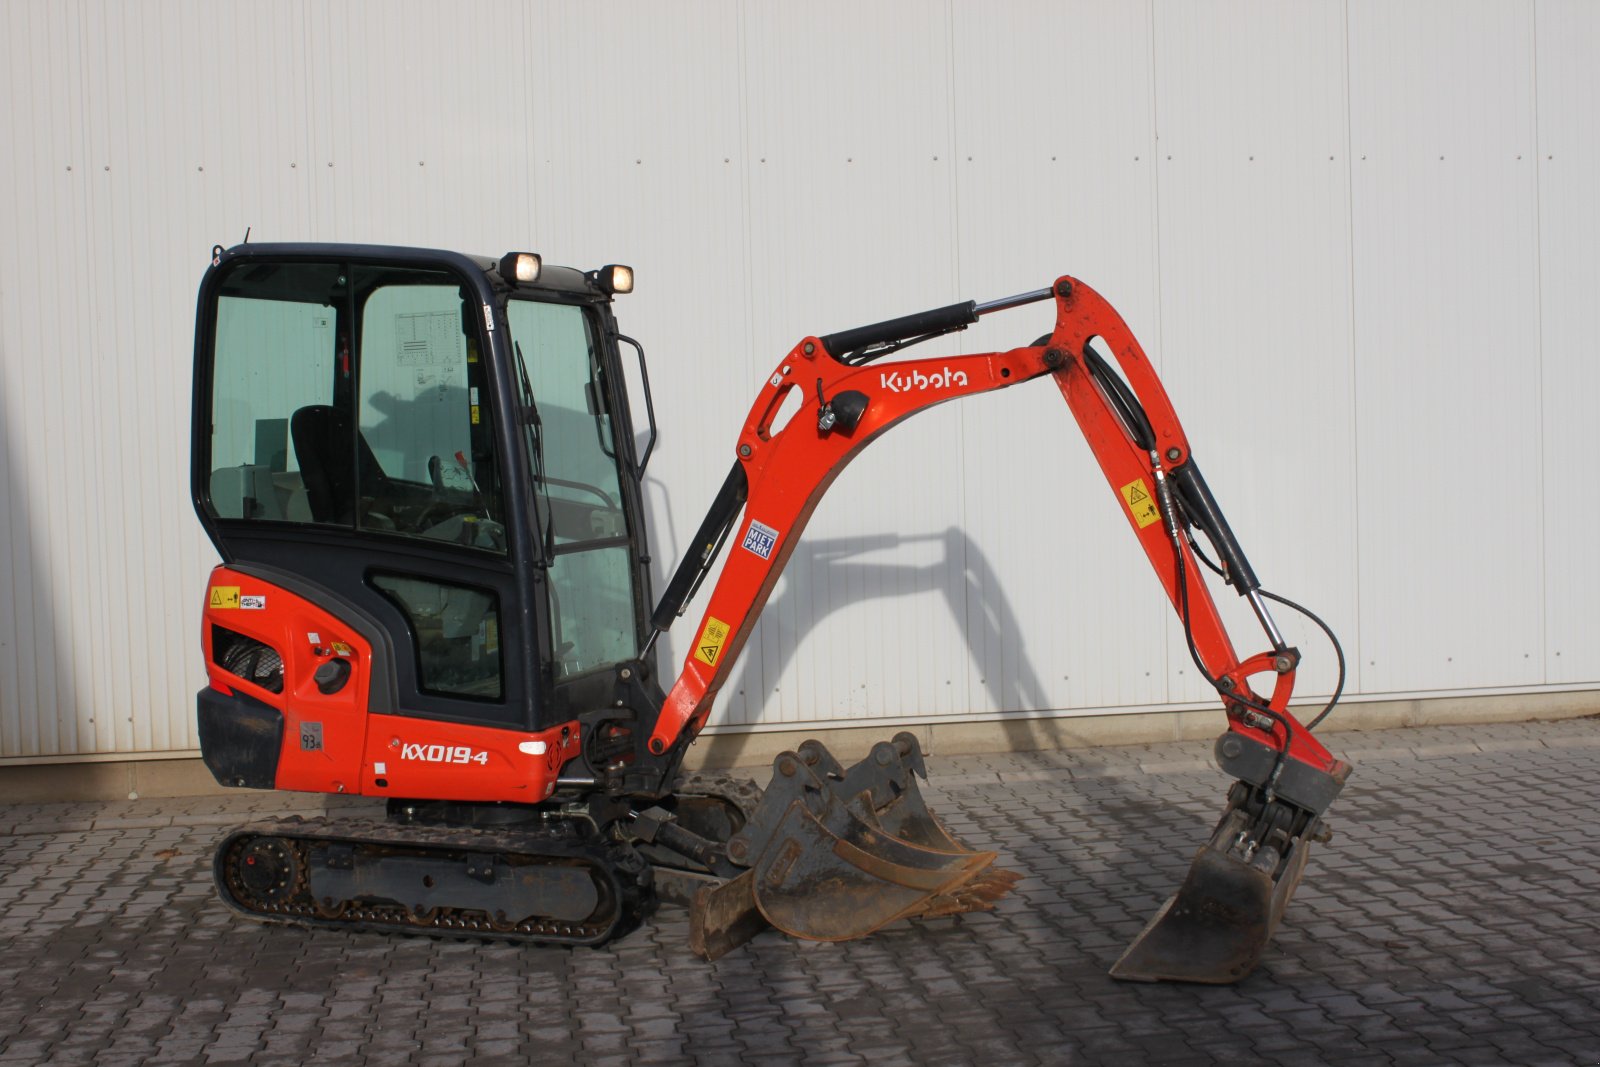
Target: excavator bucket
x,y
1214,929
834,854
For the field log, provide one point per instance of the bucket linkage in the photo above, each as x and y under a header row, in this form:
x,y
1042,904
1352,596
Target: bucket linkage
x,y
1214,929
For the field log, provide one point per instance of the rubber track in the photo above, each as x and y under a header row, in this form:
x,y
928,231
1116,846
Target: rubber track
x,y
739,793
624,877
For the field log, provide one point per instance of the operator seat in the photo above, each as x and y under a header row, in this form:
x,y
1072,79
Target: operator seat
x,y
322,436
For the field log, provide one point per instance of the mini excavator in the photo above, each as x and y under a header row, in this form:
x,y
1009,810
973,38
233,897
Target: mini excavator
x,y
422,473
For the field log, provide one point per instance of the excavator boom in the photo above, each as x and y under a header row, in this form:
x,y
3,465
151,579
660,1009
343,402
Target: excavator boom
x,y
821,852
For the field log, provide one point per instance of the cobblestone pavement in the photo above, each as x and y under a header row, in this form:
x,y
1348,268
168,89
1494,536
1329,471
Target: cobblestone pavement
x,y
1451,920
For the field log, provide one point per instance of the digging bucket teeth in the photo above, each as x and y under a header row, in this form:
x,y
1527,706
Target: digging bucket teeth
x,y
1214,929
834,854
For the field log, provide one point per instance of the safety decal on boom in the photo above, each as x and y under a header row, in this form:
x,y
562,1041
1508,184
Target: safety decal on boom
x,y
1140,503
224,596
709,646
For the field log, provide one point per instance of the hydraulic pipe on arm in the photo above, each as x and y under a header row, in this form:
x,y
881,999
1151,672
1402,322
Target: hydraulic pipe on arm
x,y
1214,929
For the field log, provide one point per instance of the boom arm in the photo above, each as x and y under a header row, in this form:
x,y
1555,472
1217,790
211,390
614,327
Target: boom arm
x,y
781,474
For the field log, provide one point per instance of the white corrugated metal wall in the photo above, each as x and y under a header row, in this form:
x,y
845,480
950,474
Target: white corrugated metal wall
x,y
1358,238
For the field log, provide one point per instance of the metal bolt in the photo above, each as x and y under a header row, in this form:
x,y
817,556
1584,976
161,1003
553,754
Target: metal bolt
x,y
744,450
787,767
1225,683
810,349
626,674
1174,454
1052,358
1282,664
1064,290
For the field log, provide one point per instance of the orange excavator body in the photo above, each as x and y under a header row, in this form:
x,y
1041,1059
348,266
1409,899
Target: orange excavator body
x,y
406,626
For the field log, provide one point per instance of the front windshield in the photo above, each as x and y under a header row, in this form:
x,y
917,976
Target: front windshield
x,y
571,439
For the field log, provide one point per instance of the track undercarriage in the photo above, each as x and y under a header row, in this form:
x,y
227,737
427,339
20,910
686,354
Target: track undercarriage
x,y
552,885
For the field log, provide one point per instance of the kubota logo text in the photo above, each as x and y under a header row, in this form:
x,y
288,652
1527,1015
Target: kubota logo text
x,y
896,382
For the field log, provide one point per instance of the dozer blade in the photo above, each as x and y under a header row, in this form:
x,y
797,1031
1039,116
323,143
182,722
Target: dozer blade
x,y
724,917
1214,929
836,854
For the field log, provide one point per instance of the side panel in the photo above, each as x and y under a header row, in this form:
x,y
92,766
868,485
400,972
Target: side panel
x,y
1447,347
330,743
423,758
323,733
1568,159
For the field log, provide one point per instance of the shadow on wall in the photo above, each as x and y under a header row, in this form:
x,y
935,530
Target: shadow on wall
x,y
973,596
30,704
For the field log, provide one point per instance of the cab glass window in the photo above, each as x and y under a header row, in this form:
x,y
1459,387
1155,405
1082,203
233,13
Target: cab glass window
x,y
274,353
571,439
456,634
353,396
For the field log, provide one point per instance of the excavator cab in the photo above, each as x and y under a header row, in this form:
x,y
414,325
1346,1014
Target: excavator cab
x,y
443,460
421,472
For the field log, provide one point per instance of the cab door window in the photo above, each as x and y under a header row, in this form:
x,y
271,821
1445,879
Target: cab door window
x,y
425,462
354,396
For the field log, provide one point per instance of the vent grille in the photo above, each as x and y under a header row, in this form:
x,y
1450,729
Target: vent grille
x,y
246,658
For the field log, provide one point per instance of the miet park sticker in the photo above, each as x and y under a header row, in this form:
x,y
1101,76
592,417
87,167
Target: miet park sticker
x,y
759,539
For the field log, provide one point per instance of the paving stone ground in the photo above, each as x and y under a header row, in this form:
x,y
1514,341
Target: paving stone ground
x,y
1452,920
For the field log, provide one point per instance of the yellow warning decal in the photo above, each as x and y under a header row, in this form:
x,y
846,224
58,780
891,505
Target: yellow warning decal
x,y
224,596
1140,503
709,646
